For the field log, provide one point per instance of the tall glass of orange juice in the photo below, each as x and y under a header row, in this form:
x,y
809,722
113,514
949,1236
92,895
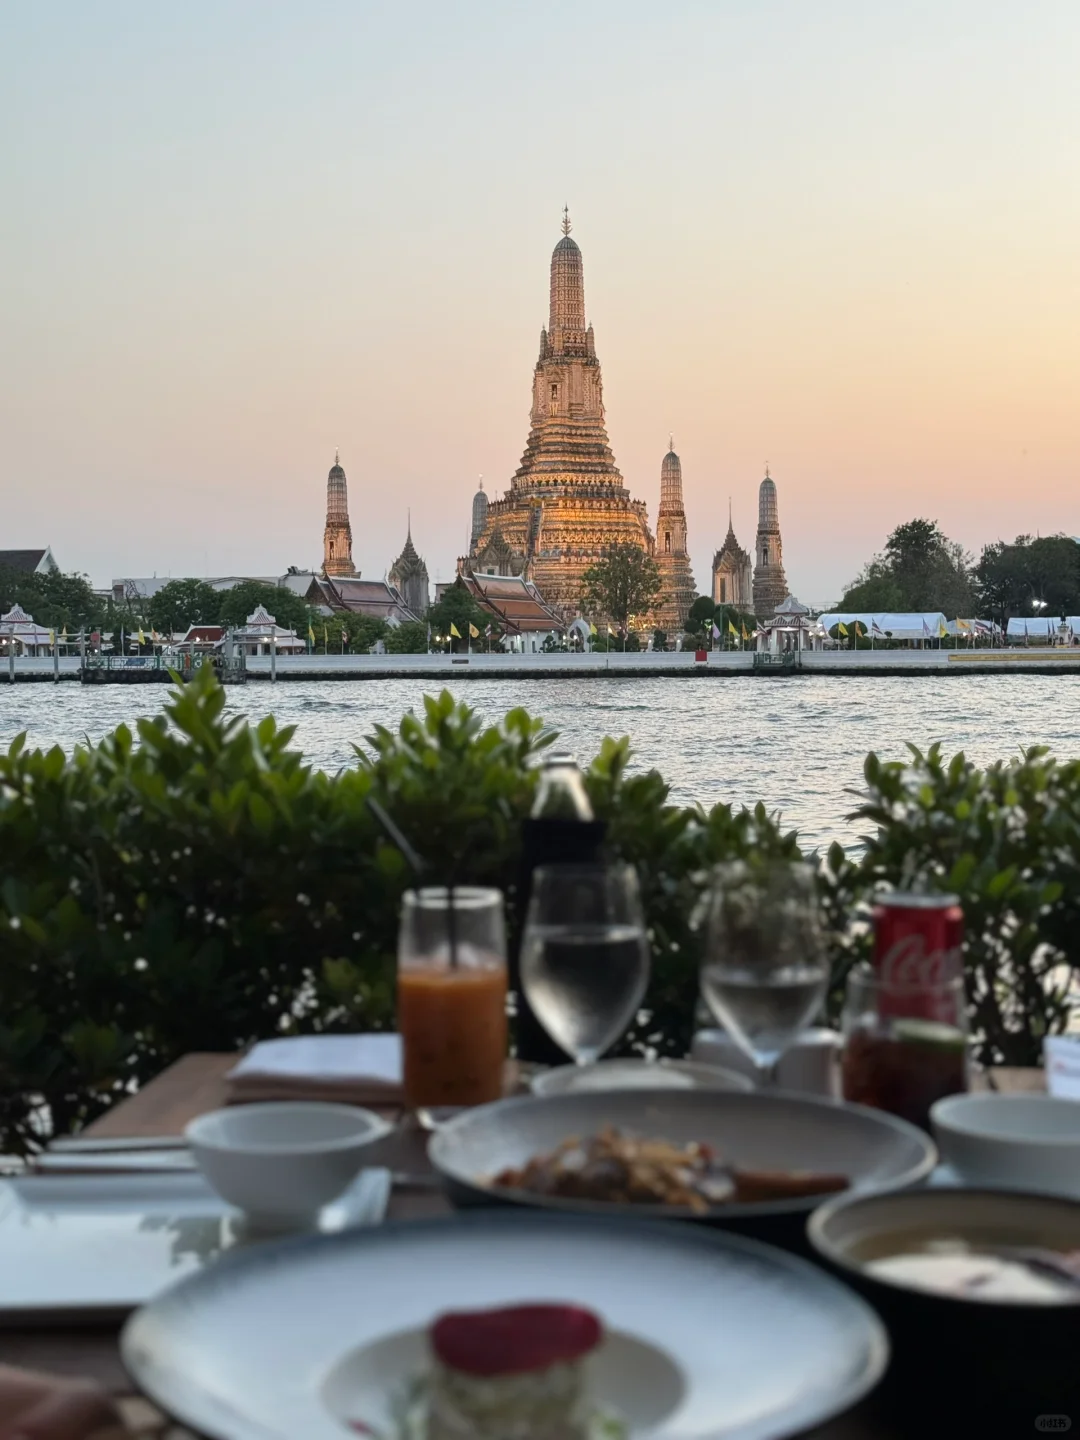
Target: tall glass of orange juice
x,y
451,995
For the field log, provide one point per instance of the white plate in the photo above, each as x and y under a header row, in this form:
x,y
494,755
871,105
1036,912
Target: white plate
x,y
764,1130
638,1075
736,1340
93,1248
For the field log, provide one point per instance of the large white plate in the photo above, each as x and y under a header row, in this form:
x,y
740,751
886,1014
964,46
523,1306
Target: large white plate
x,y
291,1341
638,1075
91,1248
764,1130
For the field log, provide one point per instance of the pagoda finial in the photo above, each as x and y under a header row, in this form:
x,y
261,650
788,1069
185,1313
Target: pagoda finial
x,y
408,523
337,456
566,220
671,444
766,470
481,479
730,523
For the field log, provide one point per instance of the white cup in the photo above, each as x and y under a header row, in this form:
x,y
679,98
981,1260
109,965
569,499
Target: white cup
x,y
810,1065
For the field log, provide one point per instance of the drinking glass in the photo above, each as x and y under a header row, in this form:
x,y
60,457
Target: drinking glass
x,y
585,955
451,995
765,969
905,1044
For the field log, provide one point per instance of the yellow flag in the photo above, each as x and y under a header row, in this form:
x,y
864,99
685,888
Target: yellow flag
x,y
842,628
455,631
473,632
142,637
744,634
52,637
942,632
731,627
592,628
311,634
962,625
63,634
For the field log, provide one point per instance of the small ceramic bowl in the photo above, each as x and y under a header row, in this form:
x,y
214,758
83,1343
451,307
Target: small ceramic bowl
x,y
282,1162
1020,1142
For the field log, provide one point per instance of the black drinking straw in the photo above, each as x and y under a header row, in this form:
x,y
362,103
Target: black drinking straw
x,y
419,867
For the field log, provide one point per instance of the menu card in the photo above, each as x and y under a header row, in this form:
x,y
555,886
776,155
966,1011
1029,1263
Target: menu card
x,y
1061,1059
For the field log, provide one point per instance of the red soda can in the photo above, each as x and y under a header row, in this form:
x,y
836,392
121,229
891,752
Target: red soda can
x,y
918,942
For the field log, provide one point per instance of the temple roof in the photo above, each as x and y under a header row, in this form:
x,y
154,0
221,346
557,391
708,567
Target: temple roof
x,y
513,600
375,598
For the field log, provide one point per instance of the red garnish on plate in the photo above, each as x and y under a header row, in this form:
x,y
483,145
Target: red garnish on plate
x,y
515,1340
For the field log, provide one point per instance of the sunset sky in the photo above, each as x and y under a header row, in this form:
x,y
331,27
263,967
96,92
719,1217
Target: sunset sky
x,y
842,238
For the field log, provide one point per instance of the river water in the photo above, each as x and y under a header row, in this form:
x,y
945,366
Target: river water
x,y
795,743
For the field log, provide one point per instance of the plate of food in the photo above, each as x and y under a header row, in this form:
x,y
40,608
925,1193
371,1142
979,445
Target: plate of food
x,y
707,1155
497,1324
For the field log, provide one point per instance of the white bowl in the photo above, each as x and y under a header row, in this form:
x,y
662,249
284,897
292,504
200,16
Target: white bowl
x,y
638,1075
282,1162
1020,1142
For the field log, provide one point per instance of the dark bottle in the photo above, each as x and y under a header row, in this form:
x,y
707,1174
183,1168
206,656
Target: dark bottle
x,y
560,831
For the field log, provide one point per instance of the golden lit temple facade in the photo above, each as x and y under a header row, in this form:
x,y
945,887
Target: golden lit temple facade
x,y
567,502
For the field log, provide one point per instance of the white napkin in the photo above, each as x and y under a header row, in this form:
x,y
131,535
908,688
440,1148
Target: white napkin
x,y
352,1065
1061,1058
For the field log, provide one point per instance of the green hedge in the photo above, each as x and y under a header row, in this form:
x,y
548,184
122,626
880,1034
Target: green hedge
x,y
198,886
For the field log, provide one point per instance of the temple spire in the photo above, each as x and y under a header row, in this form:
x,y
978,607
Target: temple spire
x,y
566,226
566,321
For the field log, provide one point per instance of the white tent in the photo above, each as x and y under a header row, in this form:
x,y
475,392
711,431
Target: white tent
x,y
1043,628
925,625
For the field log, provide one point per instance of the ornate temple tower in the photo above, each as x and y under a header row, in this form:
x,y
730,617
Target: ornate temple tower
x,y
770,584
733,573
567,502
479,514
409,576
678,592
337,537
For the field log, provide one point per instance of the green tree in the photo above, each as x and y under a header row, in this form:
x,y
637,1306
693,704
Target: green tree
x,y
659,640
920,569
1014,579
624,584
181,603
457,607
876,588
409,638
53,599
363,631
289,610
700,614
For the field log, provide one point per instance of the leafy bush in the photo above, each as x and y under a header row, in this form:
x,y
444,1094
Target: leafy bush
x,y
196,886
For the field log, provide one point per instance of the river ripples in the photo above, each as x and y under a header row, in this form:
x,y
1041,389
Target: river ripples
x,y
796,743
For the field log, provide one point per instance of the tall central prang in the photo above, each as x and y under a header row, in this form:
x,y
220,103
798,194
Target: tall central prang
x,y
567,502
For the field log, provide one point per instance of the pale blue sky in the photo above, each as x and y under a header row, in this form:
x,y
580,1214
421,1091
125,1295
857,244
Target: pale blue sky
x,y
840,237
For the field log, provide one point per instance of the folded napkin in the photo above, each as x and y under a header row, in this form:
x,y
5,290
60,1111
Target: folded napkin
x,y
1061,1057
353,1069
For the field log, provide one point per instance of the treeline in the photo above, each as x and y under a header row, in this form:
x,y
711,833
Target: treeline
x,y
920,568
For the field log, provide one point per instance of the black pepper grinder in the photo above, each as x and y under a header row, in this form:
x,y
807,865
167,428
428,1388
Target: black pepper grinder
x,y
561,830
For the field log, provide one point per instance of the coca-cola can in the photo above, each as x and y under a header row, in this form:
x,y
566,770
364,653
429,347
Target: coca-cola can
x,y
918,949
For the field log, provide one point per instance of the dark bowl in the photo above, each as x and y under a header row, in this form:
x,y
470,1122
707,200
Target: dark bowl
x,y
960,1361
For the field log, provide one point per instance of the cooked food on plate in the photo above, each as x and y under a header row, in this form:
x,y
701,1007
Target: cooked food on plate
x,y
514,1373
624,1169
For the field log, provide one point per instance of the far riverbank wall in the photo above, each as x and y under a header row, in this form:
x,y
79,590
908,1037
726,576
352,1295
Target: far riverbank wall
x,y
681,665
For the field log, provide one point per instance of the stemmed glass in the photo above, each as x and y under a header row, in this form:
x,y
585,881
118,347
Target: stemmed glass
x,y
765,969
585,955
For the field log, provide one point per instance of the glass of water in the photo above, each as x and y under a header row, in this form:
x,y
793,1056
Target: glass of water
x,y
765,969
585,955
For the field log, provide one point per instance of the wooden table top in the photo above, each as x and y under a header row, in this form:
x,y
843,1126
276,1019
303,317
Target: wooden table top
x,y
195,1085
